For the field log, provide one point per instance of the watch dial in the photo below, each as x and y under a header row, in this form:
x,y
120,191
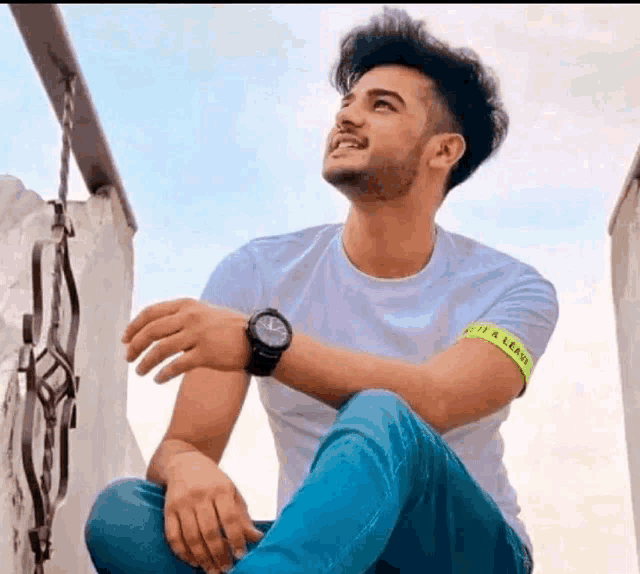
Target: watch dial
x,y
272,331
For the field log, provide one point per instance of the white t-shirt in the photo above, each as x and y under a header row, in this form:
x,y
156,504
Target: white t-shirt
x,y
308,277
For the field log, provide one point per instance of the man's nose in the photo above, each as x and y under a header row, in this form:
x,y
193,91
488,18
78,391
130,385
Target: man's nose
x,y
351,114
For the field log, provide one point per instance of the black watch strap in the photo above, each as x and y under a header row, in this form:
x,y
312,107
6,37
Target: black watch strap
x,y
263,361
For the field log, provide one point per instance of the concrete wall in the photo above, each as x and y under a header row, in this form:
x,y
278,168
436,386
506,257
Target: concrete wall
x,y
625,273
102,446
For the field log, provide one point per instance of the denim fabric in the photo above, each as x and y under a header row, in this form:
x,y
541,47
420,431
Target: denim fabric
x,y
384,494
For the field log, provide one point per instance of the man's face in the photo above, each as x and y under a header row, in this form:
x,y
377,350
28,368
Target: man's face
x,y
390,127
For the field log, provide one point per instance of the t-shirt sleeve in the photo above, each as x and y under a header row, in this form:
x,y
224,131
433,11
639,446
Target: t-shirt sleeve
x,y
529,310
235,283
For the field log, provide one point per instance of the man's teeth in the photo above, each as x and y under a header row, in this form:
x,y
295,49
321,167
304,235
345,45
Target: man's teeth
x,y
347,144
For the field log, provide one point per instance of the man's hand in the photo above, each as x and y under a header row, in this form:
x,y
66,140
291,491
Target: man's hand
x,y
209,336
201,505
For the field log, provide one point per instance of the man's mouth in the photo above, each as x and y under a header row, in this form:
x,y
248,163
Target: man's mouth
x,y
346,141
346,147
344,150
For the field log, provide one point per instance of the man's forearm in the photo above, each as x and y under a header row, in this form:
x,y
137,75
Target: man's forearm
x,y
332,375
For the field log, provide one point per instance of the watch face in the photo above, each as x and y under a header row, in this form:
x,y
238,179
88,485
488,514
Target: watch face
x,y
272,331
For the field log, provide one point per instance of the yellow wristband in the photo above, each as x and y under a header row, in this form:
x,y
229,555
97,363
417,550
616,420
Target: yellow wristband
x,y
505,341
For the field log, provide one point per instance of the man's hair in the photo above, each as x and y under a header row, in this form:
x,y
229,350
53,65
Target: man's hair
x,y
466,90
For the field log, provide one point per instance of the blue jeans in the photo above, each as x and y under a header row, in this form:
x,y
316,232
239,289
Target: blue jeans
x,y
385,493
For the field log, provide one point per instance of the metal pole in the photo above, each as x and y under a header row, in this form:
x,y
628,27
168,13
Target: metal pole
x,y
45,34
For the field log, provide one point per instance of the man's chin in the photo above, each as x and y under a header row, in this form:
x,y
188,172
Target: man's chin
x,y
337,177
353,184
346,174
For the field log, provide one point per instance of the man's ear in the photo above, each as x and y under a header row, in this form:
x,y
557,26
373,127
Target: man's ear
x,y
448,148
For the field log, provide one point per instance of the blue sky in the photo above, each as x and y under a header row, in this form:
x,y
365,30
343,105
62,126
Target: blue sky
x,y
217,117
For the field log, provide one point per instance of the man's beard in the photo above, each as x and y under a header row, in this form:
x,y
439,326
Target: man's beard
x,y
382,180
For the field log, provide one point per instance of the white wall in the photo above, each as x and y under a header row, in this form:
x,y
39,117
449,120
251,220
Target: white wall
x,y
102,446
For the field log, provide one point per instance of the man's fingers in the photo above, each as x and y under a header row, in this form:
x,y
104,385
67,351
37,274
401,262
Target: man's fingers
x,y
195,542
254,534
210,529
173,533
233,522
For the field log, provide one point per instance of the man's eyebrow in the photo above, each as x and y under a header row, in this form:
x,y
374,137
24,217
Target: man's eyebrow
x,y
377,92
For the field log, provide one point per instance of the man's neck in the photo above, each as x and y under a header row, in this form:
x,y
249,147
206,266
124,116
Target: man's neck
x,y
389,243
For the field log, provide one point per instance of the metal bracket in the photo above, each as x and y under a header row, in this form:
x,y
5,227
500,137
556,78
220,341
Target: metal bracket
x,y
61,218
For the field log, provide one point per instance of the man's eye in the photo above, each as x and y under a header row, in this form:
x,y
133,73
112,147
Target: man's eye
x,y
383,102
375,104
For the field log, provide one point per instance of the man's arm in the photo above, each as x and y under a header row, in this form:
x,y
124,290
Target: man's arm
x,y
206,410
464,383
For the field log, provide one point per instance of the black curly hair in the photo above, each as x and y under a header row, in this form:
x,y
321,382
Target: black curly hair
x,y
466,90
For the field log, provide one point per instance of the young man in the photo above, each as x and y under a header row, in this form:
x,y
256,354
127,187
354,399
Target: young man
x,y
388,351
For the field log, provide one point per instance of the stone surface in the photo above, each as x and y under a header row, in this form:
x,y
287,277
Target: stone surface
x,y
102,447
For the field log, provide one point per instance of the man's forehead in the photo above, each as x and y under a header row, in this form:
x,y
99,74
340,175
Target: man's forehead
x,y
406,81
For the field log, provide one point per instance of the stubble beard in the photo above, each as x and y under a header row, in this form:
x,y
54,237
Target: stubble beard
x,y
382,180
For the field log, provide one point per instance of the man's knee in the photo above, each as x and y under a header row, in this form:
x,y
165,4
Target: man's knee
x,y
376,398
108,508
385,408
377,412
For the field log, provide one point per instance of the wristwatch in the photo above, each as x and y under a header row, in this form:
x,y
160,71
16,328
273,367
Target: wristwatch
x,y
269,335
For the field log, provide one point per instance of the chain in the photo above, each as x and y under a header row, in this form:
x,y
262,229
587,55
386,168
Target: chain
x,y
67,123
37,387
67,128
